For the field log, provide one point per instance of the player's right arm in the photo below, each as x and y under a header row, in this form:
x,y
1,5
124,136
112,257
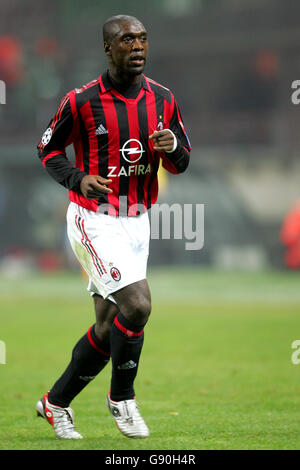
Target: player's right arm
x,y
60,133
52,147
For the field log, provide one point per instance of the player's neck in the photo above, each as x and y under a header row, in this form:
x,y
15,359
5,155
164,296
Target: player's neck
x,y
124,80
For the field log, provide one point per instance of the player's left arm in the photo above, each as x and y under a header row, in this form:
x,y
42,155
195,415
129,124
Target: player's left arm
x,y
173,143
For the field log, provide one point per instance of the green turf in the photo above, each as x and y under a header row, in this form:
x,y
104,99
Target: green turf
x,y
216,370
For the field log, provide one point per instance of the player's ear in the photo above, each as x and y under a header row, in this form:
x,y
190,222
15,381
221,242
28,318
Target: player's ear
x,y
107,48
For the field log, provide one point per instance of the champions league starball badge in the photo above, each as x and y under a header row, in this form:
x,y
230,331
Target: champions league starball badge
x,y
47,136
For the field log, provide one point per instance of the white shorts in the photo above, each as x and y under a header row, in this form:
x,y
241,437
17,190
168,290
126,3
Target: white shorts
x,y
112,250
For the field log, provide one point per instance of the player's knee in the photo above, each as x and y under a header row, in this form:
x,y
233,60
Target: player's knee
x,y
138,311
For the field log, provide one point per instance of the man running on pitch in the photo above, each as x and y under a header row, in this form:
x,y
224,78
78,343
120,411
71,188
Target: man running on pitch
x,y
121,126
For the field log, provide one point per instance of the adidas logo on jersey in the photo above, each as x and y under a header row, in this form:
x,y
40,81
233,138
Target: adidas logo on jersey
x,y
101,130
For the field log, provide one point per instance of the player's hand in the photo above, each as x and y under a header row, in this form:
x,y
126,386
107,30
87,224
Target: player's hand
x,y
93,186
163,140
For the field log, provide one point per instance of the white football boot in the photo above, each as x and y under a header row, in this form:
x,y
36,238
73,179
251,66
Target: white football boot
x,y
61,419
127,418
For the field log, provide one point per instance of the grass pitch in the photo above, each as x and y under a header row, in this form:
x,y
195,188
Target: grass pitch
x,y
215,373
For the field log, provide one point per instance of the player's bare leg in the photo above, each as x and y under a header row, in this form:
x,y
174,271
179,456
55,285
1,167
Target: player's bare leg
x,y
134,301
126,342
105,311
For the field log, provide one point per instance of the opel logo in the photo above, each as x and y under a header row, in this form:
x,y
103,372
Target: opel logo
x,y
132,147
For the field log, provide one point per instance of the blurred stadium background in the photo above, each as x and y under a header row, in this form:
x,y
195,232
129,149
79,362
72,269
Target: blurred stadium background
x,y
230,63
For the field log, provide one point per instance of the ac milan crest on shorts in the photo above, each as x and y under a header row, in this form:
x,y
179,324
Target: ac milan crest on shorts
x,y
112,250
115,274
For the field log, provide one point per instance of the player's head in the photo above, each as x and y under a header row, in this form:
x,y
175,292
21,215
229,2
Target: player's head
x,y
125,44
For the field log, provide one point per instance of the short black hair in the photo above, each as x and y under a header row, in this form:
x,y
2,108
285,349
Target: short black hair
x,y
110,27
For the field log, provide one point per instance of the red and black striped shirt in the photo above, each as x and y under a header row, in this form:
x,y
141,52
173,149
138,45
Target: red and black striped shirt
x,y
110,136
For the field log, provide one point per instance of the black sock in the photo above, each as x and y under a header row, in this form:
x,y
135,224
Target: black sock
x,y
89,357
126,342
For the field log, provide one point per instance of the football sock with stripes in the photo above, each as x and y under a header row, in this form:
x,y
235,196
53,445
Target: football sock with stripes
x,y
89,357
126,342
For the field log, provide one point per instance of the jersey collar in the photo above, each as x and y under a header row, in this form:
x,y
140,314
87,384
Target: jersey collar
x,y
105,83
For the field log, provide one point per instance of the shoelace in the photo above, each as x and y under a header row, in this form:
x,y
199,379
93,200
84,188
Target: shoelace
x,y
65,422
134,409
